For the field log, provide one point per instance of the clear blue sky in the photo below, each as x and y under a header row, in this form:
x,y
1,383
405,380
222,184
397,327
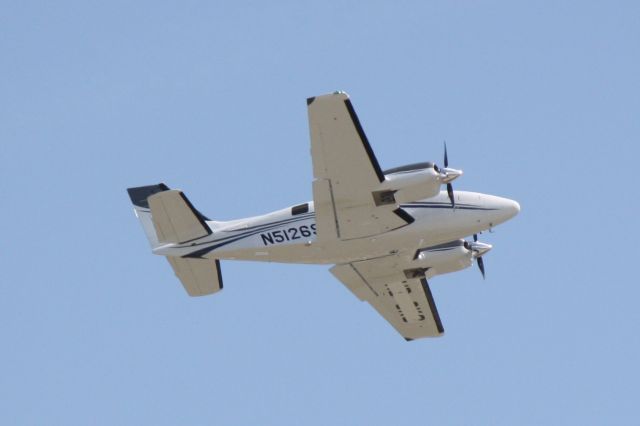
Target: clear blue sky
x,y
538,101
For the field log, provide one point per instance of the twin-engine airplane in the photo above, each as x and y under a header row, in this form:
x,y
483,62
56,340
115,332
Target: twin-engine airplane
x,y
386,232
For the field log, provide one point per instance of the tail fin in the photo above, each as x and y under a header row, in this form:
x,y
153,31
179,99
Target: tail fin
x,y
175,219
167,216
141,207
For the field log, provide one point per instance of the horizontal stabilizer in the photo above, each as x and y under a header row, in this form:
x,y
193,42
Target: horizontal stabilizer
x,y
175,219
198,276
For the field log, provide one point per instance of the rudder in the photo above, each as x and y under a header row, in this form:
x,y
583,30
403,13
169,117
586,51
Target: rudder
x,y
139,196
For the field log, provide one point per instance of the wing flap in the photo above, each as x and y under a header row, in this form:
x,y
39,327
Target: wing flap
x,y
175,219
324,207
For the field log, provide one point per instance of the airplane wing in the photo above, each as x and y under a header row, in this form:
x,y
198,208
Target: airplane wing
x,y
346,174
405,302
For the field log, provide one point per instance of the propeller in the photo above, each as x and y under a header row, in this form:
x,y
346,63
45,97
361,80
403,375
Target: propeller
x,y
448,175
449,185
479,249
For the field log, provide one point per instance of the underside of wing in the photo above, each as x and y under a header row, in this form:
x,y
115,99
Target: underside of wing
x,y
347,174
406,303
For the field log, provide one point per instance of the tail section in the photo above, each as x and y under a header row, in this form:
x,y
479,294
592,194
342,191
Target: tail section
x,y
141,208
175,219
198,276
167,216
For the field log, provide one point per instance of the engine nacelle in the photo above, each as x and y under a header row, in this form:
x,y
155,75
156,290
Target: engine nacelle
x,y
412,182
410,186
445,258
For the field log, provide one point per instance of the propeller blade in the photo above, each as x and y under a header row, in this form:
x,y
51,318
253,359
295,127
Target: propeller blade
x,y
449,186
450,192
481,266
446,158
475,238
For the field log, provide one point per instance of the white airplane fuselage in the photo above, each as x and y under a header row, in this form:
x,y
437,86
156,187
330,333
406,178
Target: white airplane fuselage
x,y
386,232
282,236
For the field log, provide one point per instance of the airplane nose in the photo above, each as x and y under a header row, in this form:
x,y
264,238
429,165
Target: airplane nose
x,y
514,208
508,209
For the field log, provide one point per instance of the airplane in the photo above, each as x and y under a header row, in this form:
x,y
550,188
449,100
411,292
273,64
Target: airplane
x,y
386,232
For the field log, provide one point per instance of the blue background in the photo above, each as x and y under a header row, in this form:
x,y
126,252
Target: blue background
x,y
538,102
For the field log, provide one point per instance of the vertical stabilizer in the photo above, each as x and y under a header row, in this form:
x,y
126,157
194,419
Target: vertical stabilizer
x,y
167,216
139,197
